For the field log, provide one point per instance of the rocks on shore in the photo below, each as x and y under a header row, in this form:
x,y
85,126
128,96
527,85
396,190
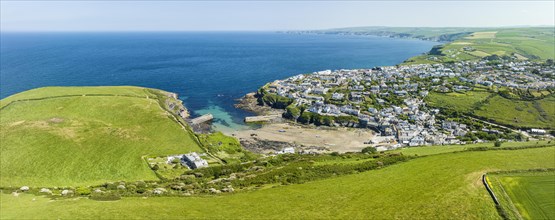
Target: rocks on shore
x,y
249,102
261,146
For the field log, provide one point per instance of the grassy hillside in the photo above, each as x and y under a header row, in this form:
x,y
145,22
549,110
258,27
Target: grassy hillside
x,y
425,33
69,136
521,43
538,113
517,113
462,102
467,43
444,186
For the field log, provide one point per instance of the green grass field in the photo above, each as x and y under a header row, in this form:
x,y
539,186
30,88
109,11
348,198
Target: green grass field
x,y
532,194
85,140
463,102
540,113
445,186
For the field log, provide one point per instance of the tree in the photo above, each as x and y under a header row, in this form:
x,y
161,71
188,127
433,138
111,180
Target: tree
x,y
497,143
370,150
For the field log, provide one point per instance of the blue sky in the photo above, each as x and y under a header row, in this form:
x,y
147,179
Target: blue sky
x,y
265,15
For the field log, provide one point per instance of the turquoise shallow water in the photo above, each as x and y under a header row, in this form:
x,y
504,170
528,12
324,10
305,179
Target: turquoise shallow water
x,y
209,70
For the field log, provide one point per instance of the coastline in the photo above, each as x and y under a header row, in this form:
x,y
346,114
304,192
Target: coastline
x,y
272,137
282,133
276,135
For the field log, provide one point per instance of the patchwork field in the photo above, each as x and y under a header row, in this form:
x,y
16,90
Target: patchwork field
x,y
89,136
523,43
482,35
445,186
531,195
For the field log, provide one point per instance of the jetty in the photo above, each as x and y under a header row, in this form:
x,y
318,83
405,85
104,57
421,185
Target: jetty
x,y
202,119
263,118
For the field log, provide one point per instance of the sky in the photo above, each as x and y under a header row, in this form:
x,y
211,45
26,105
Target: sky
x,y
266,15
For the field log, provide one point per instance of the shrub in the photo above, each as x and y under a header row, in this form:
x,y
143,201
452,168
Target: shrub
x,y
370,150
84,191
497,143
111,186
155,167
105,196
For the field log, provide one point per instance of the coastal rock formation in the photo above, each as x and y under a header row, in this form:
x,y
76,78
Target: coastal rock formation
x,y
249,102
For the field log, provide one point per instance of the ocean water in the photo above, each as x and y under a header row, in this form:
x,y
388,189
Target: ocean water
x,y
209,70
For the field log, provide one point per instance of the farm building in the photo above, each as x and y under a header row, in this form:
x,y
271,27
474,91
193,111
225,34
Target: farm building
x,y
193,161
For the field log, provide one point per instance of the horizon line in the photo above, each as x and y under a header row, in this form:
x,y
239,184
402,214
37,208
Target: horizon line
x,y
268,30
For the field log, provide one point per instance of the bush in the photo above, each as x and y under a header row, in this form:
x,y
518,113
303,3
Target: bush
x,y
497,143
370,150
106,196
292,112
276,101
111,186
84,191
155,167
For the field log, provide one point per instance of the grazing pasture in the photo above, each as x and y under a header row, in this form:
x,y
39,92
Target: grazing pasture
x,y
462,102
443,186
530,195
519,113
83,139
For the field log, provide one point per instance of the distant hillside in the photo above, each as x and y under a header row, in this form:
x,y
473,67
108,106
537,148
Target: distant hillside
x,y
461,44
423,33
72,136
516,43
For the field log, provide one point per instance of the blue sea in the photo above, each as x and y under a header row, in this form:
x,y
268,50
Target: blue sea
x,y
209,70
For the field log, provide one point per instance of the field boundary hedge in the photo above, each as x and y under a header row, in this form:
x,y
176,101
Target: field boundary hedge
x,y
68,96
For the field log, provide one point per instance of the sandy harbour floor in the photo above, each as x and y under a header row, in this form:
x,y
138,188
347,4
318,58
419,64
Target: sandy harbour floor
x,y
335,139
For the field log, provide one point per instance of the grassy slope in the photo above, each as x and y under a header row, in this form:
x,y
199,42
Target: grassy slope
x,y
530,43
72,91
520,113
531,193
445,186
512,112
84,140
463,102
